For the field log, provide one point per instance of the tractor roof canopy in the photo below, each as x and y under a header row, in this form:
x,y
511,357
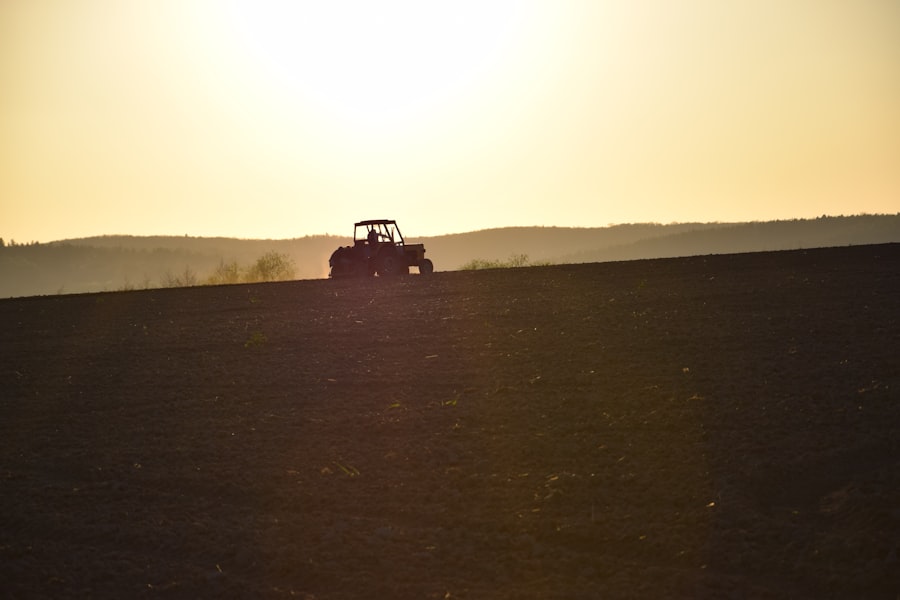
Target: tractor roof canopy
x,y
375,222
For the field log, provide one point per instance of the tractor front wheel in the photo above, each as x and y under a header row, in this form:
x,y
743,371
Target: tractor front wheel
x,y
426,267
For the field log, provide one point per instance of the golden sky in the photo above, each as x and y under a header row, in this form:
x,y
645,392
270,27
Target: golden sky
x,y
278,119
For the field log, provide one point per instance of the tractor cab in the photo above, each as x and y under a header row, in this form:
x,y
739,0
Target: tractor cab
x,y
377,232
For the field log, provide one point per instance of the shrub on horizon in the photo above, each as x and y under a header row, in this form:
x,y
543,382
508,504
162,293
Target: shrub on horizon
x,y
514,261
186,279
225,273
271,266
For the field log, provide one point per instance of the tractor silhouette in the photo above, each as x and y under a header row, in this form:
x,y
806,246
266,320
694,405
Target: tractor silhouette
x,y
378,248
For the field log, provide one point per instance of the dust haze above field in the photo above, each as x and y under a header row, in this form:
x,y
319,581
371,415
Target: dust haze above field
x,y
128,262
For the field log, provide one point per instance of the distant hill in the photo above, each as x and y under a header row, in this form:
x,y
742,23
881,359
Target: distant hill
x,y
653,240
748,237
118,262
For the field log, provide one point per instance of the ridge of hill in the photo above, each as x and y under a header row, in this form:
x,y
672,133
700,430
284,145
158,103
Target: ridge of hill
x,y
114,262
732,238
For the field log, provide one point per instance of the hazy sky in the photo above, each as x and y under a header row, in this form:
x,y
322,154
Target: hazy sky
x,y
255,118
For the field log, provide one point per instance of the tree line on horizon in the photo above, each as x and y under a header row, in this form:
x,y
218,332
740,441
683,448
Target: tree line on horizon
x,y
109,263
13,243
41,269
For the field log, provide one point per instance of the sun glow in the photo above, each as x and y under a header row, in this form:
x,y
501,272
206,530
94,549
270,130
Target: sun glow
x,y
276,118
375,65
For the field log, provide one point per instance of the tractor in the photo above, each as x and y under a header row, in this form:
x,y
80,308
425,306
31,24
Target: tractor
x,y
378,248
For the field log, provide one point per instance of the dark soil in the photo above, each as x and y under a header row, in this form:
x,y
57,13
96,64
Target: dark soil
x,y
707,427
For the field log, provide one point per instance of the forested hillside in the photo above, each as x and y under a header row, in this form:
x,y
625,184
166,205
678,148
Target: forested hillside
x,y
653,240
128,262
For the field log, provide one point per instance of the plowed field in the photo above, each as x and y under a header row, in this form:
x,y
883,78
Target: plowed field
x,y
719,426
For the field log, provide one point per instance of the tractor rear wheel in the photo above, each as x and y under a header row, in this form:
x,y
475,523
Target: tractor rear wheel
x,y
389,264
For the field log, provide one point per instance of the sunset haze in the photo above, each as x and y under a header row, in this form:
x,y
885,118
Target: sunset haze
x,y
264,119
